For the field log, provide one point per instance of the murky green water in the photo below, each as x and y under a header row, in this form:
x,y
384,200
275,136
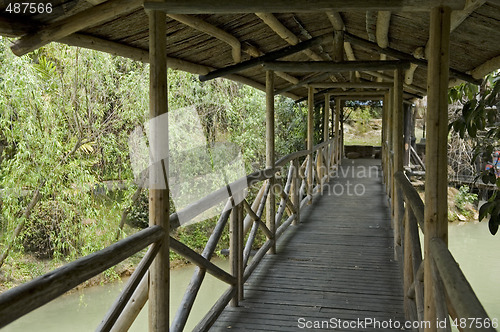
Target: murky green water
x,y
83,311
477,252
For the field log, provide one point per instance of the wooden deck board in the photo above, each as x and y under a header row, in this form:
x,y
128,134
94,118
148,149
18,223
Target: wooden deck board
x,y
336,264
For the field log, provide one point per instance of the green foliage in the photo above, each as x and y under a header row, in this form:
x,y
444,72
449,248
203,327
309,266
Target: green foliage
x,y
464,197
478,117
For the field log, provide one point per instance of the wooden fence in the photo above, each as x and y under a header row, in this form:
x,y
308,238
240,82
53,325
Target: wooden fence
x,y
292,191
453,295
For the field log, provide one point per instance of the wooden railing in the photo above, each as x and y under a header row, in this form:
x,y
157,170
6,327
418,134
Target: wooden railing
x,y
293,192
453,295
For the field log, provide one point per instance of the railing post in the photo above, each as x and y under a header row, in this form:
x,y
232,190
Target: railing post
x,y
310,143
159,273
326,135
397,143
295,191
236,251
337,131
436,163
384,140
270,162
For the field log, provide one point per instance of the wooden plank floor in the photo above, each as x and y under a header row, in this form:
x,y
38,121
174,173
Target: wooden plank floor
x,y
337,264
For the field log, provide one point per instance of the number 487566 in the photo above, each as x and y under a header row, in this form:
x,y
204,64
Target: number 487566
x,y
28,8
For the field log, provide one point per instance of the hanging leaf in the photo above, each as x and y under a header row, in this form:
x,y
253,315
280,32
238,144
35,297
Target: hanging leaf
x,y
493,226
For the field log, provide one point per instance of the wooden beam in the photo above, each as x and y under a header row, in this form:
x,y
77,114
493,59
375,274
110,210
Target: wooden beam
x,y
409,73
356,93
373,85
270,156
14,28
87,18
338,46
295,6
402,56
327,66
326,117
382,31
200,25
359,98
286,51
436,161
302,83
310,140
159,273
486,68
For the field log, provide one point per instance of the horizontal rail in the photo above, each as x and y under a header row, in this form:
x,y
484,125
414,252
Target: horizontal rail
x,y
411,197
459,291
25,298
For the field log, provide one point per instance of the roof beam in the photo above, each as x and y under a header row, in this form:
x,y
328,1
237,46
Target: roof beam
x,y
382,30
286,51
352,85
327,66
480,71
296,6
13,28
65,27
402,56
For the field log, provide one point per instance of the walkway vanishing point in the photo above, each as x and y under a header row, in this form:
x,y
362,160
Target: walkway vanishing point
x,y
337,264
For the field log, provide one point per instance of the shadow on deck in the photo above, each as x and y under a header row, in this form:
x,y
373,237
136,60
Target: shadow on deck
x,y
332,269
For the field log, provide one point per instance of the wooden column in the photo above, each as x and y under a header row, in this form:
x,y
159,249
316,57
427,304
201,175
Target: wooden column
x,y
408,110
271,200
326,136
384,140
236,251
310,138
397,144
296,190
337,130
159,273
436,161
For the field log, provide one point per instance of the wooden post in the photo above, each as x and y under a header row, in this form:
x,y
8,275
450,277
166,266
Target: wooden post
x,y
271,200
159,273
390,173
337,130
326,136
236,251
341,120
436,161
296,190
384,140
408,109
397,139
310,143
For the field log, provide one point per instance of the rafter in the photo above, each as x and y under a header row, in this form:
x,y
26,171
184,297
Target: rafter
x,y
327,66
486,68
67,26
286,51
382,30
296,6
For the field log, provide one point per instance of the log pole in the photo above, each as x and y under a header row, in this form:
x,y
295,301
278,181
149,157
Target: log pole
x,y
271,200
436,163
159,273
310,142
397,144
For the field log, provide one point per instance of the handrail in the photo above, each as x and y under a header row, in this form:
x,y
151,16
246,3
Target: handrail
x,y
450,284
458,289
25,298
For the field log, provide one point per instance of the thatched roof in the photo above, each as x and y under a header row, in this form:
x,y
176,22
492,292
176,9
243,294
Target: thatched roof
x,y
200,43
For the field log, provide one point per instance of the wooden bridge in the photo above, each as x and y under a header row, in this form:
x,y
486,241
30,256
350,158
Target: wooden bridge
x,y
341,260
337,263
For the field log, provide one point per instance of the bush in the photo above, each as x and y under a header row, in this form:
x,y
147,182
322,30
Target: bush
x,y
464,197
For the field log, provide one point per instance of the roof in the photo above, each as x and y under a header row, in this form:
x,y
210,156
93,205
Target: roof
x,y
200,43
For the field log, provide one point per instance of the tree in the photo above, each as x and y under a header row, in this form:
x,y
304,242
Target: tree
x,y
478,118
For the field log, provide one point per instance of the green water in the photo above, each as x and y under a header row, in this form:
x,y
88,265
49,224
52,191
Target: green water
x,y
477,252
83,311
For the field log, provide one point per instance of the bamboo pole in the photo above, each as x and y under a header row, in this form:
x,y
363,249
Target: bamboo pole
x,y
436,162
310,143
397,135
158,197
271,201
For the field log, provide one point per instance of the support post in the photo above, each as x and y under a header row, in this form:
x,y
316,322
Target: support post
x,y
397,143
326,137
236,251
436,163
310,143
159,273
384,140
337,130
271,200
390,173
408,131
296,190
